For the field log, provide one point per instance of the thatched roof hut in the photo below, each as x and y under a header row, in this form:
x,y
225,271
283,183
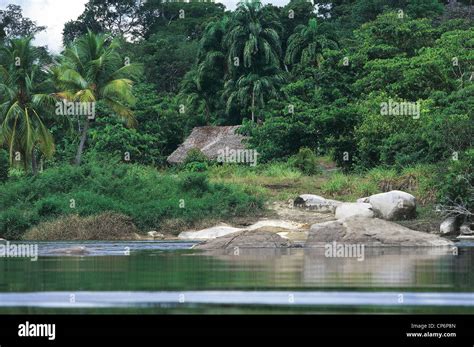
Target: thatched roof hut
x,y
210,140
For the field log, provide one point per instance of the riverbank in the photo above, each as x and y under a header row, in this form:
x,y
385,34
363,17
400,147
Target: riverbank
x,y
128,202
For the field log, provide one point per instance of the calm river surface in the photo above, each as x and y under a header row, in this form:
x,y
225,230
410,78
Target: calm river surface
x,y
169,277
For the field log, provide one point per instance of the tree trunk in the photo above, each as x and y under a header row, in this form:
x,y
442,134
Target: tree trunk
x,y
34,164
80,149
253,106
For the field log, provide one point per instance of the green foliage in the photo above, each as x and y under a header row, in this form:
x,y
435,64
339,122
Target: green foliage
x,y
4,165
23,105
338,184
457,184
306,161
150,198
195,161
195,155
92,70
195,182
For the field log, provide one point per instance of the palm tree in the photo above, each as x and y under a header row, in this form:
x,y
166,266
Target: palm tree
x,y
22,107
250,91
92,70
194,93
201,84
253,37
306,45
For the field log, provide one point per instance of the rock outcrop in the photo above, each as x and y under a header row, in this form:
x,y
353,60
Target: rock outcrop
x,y
268,225
316,202
350,209
393,205
79,250
371,232
155,235
209,233
450,226
467,228
246,239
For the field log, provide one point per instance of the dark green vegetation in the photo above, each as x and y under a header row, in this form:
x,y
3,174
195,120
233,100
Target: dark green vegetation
x,y
304,84
152,199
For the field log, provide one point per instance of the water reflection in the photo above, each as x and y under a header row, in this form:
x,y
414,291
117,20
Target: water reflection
x,y
154,270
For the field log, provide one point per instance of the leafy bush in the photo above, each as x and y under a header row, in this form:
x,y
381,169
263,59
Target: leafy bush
x,y
195,155
195,182
195,161
306,161
196,167
15,220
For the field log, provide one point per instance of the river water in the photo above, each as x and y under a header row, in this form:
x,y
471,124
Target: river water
x,y
169,277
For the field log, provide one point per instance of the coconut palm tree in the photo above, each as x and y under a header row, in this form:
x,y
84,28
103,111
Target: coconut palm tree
x,y
253,37
22,107
92,70
306,45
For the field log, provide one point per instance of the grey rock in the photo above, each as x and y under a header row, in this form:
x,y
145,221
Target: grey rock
x,y
277,224
156,235
467,228
316,202
209,233
246,239
350,209
393,205
450,226
371,232
80,250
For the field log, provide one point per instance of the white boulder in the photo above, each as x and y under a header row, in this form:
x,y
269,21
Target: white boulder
x,y
350,209
449,226
393,205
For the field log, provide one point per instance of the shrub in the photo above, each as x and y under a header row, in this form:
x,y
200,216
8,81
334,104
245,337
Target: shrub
x,y
195,182
196,167
195,155
15,220
50,206
305,160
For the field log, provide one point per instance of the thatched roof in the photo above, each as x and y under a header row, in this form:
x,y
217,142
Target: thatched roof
x,y
210,140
